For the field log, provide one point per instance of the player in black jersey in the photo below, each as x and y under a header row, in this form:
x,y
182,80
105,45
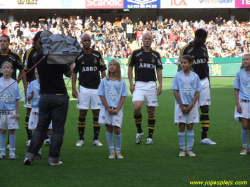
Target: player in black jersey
x,y
29,62
144,61
89,64
198,51
12,57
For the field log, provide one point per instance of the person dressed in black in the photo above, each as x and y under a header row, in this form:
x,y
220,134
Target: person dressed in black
x,y
89,64
144,61
198,51
53,105
29,62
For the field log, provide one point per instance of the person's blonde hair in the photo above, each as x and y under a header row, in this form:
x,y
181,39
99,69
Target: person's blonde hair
x,y
242,66
118,73
6,62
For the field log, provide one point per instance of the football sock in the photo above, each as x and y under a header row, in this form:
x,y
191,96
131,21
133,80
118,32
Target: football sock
x,y
81,126
151,126
244,137
110,141
12,143
97,127
118,142
204,118
190,139
138,121
182,142
29,132
2,143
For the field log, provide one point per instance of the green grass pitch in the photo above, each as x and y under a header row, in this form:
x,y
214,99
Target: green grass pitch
x,y
143,165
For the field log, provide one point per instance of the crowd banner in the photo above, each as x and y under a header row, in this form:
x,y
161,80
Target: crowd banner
x,y
198,3
227,66
104,4
142,4
42,4
242,3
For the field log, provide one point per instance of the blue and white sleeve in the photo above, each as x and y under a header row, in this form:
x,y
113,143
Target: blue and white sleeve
x,y
237,81
175,83
100,91
124,89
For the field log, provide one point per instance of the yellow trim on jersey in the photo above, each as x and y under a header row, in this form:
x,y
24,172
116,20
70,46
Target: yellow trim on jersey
x,y
129,60
20,57
183,49
28,53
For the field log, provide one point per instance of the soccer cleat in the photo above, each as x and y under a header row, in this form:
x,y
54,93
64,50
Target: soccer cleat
x,y
80,143
190,153
28,143
207,141
46,142
243,151
119,155
112,155
13,156
138,138
2,156
27,161
97,143
182,153
38,156
149,141
56,163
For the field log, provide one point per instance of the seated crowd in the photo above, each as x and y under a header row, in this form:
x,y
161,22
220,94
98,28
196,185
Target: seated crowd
x,y
227,39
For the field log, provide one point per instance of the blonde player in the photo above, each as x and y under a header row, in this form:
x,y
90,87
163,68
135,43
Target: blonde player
x,y
186,86
112,92
9,107
242,98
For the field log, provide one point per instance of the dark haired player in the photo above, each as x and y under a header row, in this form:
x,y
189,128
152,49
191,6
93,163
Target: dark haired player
x,y
89,64
144,60
29,62
198,51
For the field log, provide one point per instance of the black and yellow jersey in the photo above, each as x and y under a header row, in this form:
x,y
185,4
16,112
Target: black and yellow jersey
x,y
89,67
200,56
29,62
15,59
144,64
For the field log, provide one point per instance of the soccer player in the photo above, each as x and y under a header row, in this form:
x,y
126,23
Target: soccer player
x,y
112,92
198,51
242,99
29,62
145,88
186,86
89,64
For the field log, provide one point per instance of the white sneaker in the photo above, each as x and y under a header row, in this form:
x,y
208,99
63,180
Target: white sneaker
x,y
80,143
2,156
190,153
46,142
182,153
149,141
55,164
138,138
243,151
13,156
207,141
28,143
97,143
112,155
119,155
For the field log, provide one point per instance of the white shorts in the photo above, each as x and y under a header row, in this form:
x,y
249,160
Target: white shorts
x,y
187,118
245,106
33,120
27,103
204,97
8,120
106,118
147,92
86,97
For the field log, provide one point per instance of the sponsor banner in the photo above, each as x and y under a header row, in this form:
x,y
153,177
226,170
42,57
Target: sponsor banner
x,y
198,3
42,4
242,3
104,4
141,4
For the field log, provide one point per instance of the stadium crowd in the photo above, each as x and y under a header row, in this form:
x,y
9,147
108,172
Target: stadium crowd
x,y
226,38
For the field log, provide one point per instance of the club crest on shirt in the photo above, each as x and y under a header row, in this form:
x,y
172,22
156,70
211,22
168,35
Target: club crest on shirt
x,y
140,60
95,61
153,60
83,62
